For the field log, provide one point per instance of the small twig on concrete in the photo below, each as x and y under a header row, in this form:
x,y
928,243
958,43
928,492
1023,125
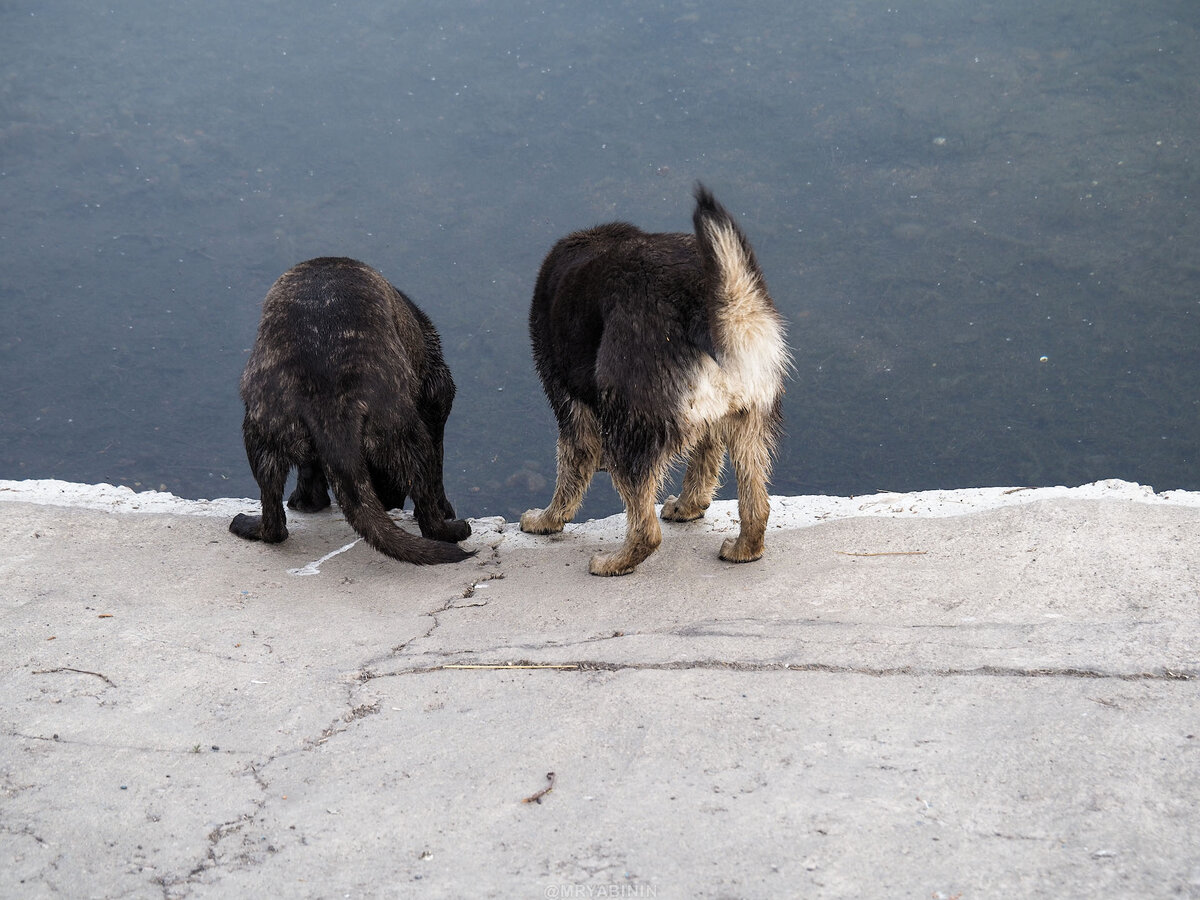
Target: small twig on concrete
x,y
537,798
103,678
510,666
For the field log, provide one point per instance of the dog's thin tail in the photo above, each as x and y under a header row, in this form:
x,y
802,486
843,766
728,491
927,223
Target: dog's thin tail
x,y
339,442
746,329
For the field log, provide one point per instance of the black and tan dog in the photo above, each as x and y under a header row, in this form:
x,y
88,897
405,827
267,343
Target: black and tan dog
x,y
650,346
346,381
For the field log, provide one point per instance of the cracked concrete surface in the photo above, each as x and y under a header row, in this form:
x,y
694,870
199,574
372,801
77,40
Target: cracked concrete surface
x,y
990,705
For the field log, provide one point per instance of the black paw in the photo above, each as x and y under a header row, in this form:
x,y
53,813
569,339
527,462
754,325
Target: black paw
x,y
391,499
245,526
308,502
250,528
450,530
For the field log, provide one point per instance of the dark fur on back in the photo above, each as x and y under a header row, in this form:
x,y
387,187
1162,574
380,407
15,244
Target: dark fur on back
x,y
346,381
617,322
650,346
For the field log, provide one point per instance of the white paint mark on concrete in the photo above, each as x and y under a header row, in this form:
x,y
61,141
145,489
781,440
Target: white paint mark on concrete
x,y
314,568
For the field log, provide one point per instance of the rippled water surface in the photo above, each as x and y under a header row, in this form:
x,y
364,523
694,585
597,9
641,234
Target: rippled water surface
x,y
979,219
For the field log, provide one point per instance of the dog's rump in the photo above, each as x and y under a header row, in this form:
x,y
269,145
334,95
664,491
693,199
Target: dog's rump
x,y
616,308
612,296
335,328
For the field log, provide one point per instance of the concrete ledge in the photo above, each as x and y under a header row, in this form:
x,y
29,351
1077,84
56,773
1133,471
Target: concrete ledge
x,y
985,693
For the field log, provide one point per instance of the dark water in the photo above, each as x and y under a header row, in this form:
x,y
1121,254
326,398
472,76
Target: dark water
x,y
980,219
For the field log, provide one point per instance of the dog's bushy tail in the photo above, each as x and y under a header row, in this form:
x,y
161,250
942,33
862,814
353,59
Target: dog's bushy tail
x,y
746,329
339,442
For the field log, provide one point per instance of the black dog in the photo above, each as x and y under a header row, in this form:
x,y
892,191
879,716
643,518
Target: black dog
x,y
650,346
346,381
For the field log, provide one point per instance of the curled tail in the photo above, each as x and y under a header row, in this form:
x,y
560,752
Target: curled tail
x,y
339,443
746,329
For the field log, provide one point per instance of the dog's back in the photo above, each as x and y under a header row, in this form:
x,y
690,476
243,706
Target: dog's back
x,y
334,334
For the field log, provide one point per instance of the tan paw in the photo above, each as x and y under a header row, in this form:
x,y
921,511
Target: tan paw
x,y
735,551
675,510
535,521
610,564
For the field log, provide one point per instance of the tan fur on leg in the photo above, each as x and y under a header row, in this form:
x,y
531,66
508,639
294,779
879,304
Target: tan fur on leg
x,y
578,458
699,482
643,533
749,449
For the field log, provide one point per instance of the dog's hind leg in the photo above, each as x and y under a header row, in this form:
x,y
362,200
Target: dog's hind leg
x,y
312,490
390,492
578,460
749,450
437,396
699,481
270,467
643,533
404,456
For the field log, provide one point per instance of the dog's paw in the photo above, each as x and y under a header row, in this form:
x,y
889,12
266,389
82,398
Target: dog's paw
x,y
675,510
309,502
250,528
450,531
535,521
734,550
245,526
457,530
610,564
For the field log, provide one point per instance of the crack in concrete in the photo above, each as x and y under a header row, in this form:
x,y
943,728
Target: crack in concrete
x,y
108,745
24,831
334,729
586,665
176,887
734,629
71,669
474,586
467,593
211,861
191,648
44,869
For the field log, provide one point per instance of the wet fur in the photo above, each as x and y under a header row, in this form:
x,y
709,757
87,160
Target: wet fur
x,y
346,382
651,347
